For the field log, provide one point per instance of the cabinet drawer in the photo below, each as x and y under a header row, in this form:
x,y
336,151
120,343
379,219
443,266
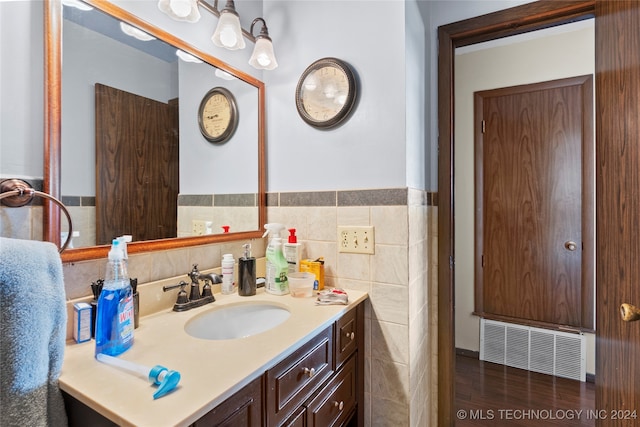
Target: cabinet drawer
x,y
293,380
347,339
336,400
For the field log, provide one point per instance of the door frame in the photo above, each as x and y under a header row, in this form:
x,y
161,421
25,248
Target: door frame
x,y
521,19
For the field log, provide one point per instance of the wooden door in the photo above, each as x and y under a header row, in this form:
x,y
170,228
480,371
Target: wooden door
x,y
136,166
617,210
531,239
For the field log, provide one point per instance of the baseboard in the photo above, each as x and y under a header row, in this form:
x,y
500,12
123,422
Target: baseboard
x,y
467,353
591,378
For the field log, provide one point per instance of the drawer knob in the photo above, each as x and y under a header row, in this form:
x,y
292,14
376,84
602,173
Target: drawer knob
x,y
310,372
351,335
338,405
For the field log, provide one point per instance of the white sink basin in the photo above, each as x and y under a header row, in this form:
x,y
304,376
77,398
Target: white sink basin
x,y
236,321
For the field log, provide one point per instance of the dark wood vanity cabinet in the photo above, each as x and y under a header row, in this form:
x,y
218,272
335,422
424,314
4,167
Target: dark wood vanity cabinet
x,y
339,399
320,384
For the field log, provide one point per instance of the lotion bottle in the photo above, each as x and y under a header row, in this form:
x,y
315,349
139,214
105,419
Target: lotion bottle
x,y
227,274
292,251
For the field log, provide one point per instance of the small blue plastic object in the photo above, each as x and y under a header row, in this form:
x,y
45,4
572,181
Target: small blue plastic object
x,y
165,379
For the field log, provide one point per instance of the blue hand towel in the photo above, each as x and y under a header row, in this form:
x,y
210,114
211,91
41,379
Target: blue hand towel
x,y
33,320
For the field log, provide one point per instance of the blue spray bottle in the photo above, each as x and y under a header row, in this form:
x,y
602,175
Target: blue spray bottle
x,y
115,317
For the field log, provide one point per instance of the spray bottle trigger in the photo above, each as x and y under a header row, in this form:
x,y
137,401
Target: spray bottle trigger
x,y
166,380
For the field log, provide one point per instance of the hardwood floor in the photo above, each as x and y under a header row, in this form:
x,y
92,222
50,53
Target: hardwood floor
x,y
488,394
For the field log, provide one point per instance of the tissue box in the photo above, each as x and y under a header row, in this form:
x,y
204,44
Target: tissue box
x,y
82,321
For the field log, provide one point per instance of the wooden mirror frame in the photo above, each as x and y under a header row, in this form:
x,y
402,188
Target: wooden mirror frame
x,y
53,138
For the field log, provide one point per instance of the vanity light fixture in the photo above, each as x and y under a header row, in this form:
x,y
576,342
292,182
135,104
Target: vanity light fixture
x,y
228,33
263,57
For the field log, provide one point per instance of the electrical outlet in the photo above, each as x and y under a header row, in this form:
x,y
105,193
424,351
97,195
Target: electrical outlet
x,y
356,240
199,227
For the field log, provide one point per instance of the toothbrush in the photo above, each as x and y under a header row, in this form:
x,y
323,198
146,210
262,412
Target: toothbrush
x,y
165,379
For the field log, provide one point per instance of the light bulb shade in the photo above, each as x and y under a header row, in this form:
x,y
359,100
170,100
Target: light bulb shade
x,y
263,57
180,10
228,33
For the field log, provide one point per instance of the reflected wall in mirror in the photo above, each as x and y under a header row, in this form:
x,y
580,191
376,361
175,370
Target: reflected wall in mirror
x,y
133,160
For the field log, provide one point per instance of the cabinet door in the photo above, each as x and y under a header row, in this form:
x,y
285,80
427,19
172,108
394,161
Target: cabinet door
x,y
335,402
242,409
297,377
346,337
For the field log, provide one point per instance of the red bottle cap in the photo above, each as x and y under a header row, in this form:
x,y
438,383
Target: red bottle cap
x,y
292,236
225,228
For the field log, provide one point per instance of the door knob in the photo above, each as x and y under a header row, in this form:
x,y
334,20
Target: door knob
x,y
629,312
570,245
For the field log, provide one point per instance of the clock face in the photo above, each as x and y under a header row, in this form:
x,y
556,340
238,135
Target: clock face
x,y
217,115
325,93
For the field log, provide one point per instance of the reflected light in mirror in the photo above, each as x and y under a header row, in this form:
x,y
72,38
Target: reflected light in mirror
x,y
77,4
136,33
187,57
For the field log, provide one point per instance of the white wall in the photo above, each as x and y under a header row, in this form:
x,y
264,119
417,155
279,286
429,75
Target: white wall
x,y
442,12
369,150
488,67
207,168
21,90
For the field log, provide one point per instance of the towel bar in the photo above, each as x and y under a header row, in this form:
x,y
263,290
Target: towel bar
x,y
19,193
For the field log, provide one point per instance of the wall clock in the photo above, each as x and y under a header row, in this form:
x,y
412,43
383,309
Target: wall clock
x,y
326,93
218,115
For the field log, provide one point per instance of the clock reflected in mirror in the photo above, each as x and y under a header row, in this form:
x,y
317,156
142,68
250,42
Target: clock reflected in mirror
x,y
218,115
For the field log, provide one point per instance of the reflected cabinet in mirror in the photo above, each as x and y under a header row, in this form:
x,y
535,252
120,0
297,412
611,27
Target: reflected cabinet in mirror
x,y
128,153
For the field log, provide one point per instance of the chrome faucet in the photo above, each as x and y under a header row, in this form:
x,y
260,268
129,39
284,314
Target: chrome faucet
x,y
196,298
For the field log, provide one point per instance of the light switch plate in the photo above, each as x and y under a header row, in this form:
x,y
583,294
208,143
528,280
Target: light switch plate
x,y
356,239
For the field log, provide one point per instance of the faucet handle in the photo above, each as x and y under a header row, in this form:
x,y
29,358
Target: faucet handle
x,y
182,294
194,273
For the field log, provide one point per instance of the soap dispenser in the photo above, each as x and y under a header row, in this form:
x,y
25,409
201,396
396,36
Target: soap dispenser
x,y
246,273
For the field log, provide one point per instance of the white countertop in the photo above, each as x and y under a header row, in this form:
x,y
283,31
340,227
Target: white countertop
x,y
211,371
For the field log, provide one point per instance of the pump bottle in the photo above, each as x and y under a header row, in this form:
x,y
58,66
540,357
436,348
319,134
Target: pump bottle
x,y
247,273
292,251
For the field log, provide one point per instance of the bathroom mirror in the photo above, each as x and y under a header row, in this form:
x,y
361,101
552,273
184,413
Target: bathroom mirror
x,y
100,72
